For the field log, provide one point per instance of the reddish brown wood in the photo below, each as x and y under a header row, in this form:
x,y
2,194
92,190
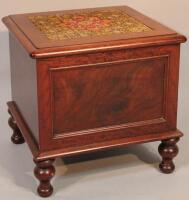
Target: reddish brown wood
x,y
43,155
33,145
168,150
96,93
40,41
16,137
39,46
60,77
24,84
44,172
99,95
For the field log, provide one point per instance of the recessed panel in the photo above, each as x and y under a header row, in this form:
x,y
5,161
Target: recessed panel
x,y
107,95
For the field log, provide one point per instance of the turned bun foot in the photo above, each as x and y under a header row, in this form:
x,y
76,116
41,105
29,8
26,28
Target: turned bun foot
x,y
44,172
16,137
168,150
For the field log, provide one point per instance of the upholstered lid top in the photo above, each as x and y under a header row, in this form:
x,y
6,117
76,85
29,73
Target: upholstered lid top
x,y
65,26
59,32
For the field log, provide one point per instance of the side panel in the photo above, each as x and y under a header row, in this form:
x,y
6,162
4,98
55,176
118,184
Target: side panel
x,y
86,100
24,85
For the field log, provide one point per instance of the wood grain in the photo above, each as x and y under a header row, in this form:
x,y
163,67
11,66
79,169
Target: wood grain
x,y
93,94
104,95
45,155
74,71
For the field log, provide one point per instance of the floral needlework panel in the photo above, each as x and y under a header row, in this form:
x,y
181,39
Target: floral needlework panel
x,y
75,25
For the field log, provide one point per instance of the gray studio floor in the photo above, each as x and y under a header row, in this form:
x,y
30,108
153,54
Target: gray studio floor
x,y
130,173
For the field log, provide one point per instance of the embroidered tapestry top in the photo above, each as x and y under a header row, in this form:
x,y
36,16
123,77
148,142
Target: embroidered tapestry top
x,y
75,25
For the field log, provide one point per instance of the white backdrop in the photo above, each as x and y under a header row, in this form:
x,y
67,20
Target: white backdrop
x,y
16,175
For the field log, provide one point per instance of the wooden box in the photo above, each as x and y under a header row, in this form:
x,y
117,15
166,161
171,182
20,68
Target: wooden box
x,y
92,79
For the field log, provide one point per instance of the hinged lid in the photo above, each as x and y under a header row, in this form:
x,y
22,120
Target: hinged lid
x,y
62,32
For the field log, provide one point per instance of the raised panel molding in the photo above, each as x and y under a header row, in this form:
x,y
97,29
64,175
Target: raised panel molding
x,y
66,87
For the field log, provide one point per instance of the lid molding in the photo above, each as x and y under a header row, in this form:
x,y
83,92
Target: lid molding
x,y
38,45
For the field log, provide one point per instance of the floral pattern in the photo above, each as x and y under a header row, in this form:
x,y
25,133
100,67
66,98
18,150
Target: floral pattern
x,y
87,24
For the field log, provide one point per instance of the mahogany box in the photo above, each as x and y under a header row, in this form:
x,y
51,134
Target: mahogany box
x,y
92,79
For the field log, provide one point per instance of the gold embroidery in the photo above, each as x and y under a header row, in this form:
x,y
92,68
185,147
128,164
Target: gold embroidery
x,y
95,23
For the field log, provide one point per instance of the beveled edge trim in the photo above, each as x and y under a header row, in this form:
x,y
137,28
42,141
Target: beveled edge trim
x,y
32,143
68,152
109,62
118,45
19,35
110,144
81,49
110,128
161,119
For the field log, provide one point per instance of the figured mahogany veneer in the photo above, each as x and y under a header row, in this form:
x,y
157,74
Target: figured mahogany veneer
x,y
77,95
107,95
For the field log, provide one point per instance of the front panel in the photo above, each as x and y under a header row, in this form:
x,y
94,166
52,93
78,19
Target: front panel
x,y
86,101
107,95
